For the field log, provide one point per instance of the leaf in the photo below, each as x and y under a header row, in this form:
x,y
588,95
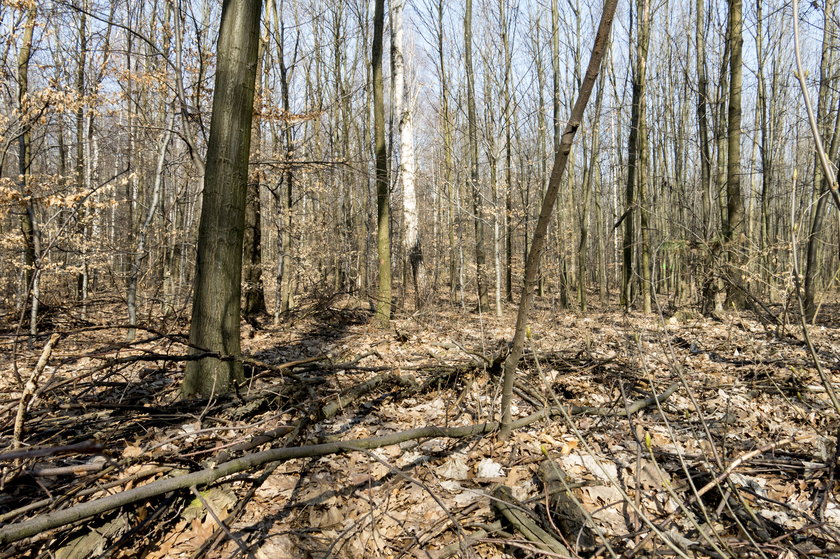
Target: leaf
x,y
487,468
218,499
455,468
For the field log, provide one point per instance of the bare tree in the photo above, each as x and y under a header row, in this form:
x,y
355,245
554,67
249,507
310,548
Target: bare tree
x,y
383,198
478,206
636,165
408,160
28,222
822,181
735,229
216,300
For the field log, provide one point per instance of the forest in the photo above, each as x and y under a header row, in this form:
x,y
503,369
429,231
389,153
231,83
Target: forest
x,y
419,278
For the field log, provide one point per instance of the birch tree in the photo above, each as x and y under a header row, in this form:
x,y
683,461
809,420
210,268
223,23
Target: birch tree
x,y
408,160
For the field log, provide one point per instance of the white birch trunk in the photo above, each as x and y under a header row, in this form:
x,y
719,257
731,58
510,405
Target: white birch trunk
x,y
408,159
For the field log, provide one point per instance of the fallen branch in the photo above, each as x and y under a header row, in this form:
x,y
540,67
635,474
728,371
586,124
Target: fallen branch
x,y
55,519
85,447
359,390
29,390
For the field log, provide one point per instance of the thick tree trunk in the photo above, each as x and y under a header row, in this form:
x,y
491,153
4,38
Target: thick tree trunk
x,y
408,160
735,231
216,300
383,198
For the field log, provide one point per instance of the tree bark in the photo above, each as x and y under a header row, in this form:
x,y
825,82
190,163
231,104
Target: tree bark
x,y
478,206
563,283
383,196
28,222
644,15
735,232
216,299
408,160
253,296
636,161
702,120
821,181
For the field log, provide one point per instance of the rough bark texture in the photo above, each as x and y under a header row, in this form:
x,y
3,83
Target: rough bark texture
x,y
216,300
383,198
734,233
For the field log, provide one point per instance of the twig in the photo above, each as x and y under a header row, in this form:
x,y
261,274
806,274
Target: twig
x,y
357,391
76,469
221,524
738,461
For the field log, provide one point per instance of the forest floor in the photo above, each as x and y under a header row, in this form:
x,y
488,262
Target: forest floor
x,y
736,458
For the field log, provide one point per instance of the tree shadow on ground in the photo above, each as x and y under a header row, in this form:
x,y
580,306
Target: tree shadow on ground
x,y
318,327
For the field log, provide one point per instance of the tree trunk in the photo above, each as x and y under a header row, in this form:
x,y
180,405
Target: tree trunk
x,y
455,286
644,15
821,182
383,201
562,280
734,233
408,162
28,222
591,172
702,121
636,161
508,112
216,300
478,206
766,159
253,292
533,261
142,234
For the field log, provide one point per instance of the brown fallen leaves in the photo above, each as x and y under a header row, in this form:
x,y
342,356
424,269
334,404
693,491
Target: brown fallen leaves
x,y
743,387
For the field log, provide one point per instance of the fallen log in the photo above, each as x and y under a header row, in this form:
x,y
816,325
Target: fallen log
x,y
564,512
